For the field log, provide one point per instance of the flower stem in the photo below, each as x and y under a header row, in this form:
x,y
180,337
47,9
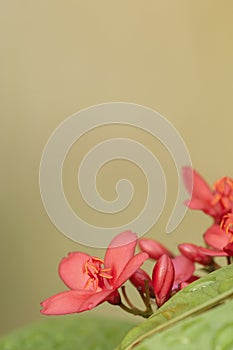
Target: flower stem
x,y
127,298
146,298
135,311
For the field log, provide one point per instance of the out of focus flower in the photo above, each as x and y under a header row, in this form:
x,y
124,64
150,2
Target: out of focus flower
x,y
92,280
215,202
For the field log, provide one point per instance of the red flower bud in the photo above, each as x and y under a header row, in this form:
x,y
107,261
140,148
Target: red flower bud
x,y
162,279
229,249
153,248
193,253
114,298
138,280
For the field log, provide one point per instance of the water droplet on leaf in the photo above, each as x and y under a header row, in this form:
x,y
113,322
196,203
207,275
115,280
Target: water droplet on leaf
x,y
201,286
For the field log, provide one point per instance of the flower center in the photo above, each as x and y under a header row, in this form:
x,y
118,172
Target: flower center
x,y
227,224
98,276
224,192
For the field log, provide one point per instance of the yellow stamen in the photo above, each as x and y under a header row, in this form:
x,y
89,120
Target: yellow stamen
x,y
105,275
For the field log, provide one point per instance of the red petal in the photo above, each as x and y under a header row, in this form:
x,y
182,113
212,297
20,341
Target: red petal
x,y
64,303
119,252
130,268
201,193
216,237
71,270
95,299
184,269
213,252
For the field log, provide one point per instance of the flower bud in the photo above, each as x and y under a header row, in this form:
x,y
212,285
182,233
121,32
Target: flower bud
x,y
193,253
162,279
153,248
114,298
229,249
139,278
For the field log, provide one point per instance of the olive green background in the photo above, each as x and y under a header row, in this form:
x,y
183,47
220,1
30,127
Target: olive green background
x,y
58,57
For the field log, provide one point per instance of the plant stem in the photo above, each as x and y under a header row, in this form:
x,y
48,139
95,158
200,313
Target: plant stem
x,y
127,298
135,311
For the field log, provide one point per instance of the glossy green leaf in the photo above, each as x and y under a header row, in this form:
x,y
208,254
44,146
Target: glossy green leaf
x,y
198,297
68,333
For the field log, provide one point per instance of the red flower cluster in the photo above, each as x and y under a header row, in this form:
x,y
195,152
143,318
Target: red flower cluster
x,y
91,280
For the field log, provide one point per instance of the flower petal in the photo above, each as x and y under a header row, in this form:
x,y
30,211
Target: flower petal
x,y
130,268
216,237
119,252
184,269
212,252
65,303
95,299
201,193
71,270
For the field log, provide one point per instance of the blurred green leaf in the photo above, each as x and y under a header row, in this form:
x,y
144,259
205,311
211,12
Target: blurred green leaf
x,y
193,300
68,333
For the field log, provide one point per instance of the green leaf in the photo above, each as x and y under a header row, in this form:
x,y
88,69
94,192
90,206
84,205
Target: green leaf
x,y
68,333
198,297
212,330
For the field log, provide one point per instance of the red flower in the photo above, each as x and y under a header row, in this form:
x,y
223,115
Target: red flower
x,y
215,202
92,280
219,240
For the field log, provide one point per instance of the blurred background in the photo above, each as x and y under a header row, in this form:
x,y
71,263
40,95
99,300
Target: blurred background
x,y
58,57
